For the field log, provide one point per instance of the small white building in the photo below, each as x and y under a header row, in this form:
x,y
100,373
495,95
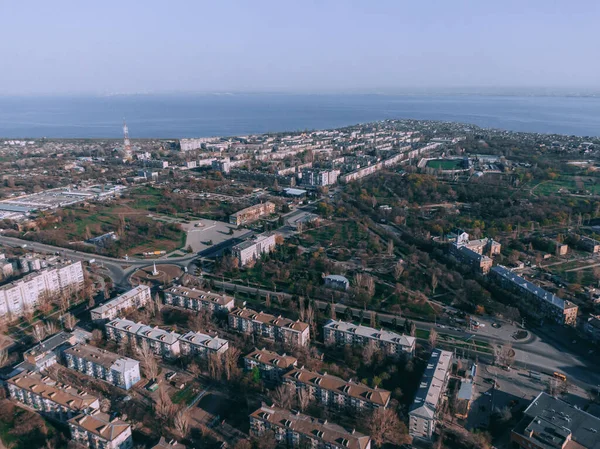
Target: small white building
x,y
254,248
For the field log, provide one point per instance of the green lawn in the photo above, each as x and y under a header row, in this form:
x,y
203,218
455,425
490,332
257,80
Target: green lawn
x,y
570,184
446,164
185,396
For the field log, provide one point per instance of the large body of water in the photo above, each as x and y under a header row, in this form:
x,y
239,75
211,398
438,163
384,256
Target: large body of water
x,y
177,116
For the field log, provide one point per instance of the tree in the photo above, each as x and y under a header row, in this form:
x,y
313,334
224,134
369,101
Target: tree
x,y
97,336
434,282
390,247
3,357
69,321
181,422
304,399
28,313
39,332
232,356
51,328
332,310
433,337
398,269
163,406
283,395
148,360
383,424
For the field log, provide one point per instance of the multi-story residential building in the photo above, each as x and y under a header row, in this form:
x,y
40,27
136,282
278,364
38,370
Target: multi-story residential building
x,y
133,299
198,344
478,262
271,365
592,328
485,246
49,352
254,248
53,399
427,406
337,332
222,165
589,244
546,304
22,294
252,213
115,369
193,299
295,430
319,178
162,342
336,281
98,430
331,391
550,423
273,327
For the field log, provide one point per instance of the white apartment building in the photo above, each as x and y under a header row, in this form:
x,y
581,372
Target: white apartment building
x,y
193,299
98,431
331,391
203,345
337,332
273,327
98,363
50,397
427,405
162,342
295,430
319,178
254,248
24,293
135,298
271,365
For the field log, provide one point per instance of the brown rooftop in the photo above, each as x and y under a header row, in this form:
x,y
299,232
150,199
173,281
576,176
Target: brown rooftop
x,y
272,358
100,424
267,318
201,295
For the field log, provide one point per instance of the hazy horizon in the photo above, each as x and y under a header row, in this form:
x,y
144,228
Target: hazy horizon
x,y
81,48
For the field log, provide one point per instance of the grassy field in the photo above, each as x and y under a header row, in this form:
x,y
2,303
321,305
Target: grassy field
x,y
446,164
185,396
569,184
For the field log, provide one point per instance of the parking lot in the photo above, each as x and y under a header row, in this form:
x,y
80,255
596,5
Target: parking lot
x,y
202,232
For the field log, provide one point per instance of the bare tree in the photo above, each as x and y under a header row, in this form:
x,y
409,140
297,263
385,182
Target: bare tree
x,y
96,336
268,300
332,310
390,247
283,395
368,352
433,338
215,366
51,328
69,321
304,399
505,354
3,357
148,360
231,369
398,269
384,425
434,282
28,313
44,302
181,422
163,406
38,332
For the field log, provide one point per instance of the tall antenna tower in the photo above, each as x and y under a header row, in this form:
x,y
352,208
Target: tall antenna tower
x,y
126,142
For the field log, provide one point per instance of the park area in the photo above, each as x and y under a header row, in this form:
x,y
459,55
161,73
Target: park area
x,y
446,164
580,185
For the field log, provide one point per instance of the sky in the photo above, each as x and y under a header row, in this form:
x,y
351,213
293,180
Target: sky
x,y
316,46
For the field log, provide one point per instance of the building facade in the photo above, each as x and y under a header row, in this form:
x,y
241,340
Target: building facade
x,y
193,299
333,392
319,178
115,369
341,333
23,294
98,431
196,344
270,365
295,430
254,248
426,408
252,213
248,321
546,304
161,342
49,397
135,298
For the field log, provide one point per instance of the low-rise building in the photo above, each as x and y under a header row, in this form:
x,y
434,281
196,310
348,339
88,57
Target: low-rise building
x,y
269,326
49,352
162,342
546,304
135,298
592,328
331,391
295,430
427,406
98,430
168,444
47,396
270,365
550,423
252,213
337,282
253,248
98,363
589,244
193,299
337,332
197,344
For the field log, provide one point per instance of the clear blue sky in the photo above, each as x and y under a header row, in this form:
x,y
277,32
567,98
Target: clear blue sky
x,y
307,46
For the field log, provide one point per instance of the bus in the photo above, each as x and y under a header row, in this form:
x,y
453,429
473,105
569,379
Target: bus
x,y
560,376
535,375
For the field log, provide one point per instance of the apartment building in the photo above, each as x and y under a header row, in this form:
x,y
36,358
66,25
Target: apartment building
x,y
162,342
271,365
168,444
488,247
254,248
202,345
337,282
49,352
22,294
98,431
222,165
547,305
252,213
194,299
135,298
336,332
295,430
550,423
478,262
589,244
426,408
319,178
331,391
273,327
98,363
49,397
